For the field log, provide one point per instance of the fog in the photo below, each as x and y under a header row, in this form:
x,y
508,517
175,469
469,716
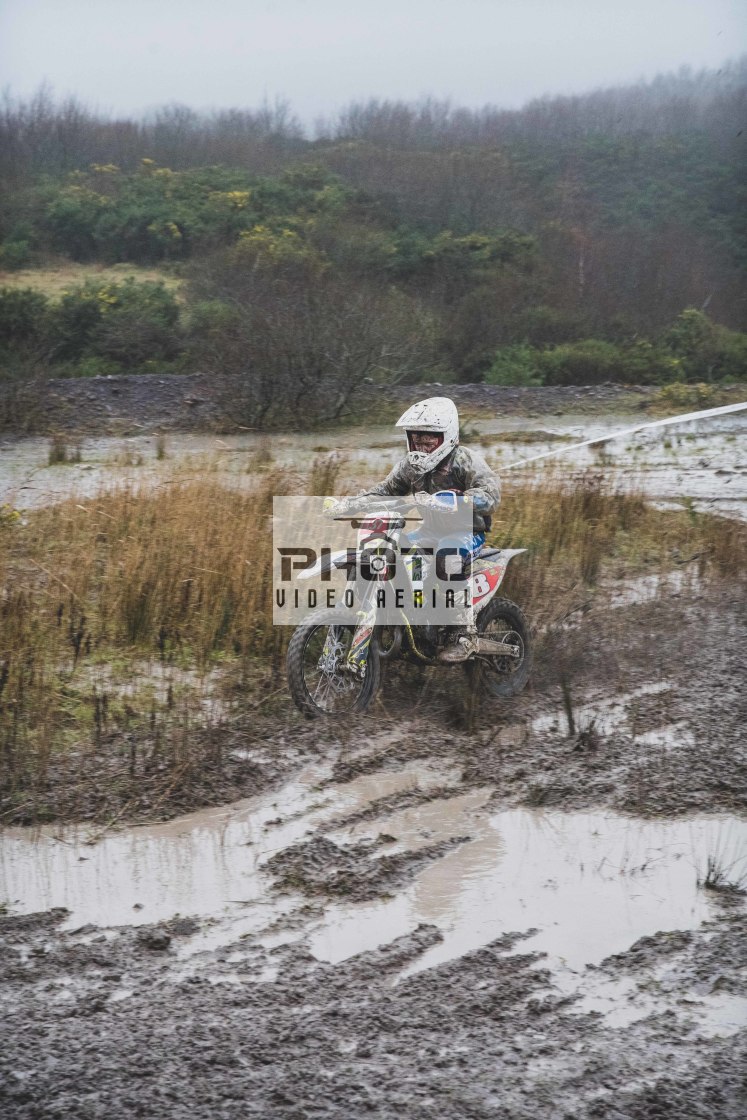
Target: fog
x,y
322,54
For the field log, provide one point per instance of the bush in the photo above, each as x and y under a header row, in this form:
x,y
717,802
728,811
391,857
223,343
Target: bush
x,y
71,220
704,350
139,326
679,395
594,361
128,323
515,365
589,362
547,326
732,358
298,340
92,366
23,315
15,255
76,316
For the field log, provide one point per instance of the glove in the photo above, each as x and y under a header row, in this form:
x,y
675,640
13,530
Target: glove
x,y
339,507
431,501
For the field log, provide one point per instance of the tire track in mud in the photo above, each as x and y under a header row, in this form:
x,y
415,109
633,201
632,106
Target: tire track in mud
x,y
130,1021
481,1036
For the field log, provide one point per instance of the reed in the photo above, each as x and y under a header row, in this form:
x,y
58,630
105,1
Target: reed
x,y
61,451
178,575
580,530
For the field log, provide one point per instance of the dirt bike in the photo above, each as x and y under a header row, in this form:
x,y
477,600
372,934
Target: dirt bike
x,y
319,674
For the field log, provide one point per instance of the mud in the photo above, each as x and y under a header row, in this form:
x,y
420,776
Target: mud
x,y
417,941
698,464
132,404
486,1035
440,911
322,867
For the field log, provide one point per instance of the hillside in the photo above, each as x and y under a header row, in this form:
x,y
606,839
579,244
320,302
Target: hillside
x,y
576,241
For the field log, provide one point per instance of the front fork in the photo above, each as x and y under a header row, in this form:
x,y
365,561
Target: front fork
x,y
416,568
416,565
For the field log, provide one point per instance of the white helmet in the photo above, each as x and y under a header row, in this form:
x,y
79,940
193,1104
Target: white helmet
x,y
436,414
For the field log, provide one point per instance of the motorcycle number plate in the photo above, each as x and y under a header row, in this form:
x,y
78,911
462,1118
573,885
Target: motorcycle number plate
x,y
482,583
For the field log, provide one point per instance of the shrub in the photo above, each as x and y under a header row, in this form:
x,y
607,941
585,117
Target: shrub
x,y
140,325
72,218
515,365
679,395
76,316
23,315
704,350
15,255
589,362
593,361
92,366
128,323
547,326
298,340
210,318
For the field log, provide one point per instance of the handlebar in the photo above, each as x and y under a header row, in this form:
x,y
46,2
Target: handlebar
x,y
443,501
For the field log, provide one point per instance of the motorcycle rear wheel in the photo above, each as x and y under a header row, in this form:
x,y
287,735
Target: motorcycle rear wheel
x,y
502,677
318,680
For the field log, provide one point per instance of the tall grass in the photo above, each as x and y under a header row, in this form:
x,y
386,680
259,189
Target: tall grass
x,y
579,529
60,450
181,574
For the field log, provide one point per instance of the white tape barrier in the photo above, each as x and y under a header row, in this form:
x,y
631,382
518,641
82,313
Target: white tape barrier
x,y
722,410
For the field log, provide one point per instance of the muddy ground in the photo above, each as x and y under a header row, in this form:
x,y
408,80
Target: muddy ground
x,y
138,404
126,1021
321,960
638,707
482,1036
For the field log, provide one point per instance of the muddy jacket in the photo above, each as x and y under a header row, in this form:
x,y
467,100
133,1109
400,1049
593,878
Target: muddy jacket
x,y
462,470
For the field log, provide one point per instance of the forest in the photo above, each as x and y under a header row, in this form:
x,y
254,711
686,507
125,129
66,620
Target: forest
x,y
579,240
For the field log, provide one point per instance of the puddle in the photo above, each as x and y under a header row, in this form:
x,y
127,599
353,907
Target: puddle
x,y
28,482
697,462
587,884
621,1002
421,825
201,864
591,883
646,589
616,715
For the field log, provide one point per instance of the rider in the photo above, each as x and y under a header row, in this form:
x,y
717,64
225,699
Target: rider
x,y
436,461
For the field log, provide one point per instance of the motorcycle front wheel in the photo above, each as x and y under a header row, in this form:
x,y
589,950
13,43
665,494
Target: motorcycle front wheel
x,y
319,681
501,677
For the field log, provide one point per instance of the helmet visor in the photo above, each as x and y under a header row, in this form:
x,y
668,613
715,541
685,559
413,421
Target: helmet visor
x,y
426,442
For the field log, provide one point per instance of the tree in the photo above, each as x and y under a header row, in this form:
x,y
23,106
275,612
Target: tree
x,y
295,338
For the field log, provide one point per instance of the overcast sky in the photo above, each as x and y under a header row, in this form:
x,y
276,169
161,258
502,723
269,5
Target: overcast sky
x,y
131,55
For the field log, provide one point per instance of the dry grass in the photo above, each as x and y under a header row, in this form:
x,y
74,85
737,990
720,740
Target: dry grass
x,y
578,530
61,451
179,574
56,278
728,879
